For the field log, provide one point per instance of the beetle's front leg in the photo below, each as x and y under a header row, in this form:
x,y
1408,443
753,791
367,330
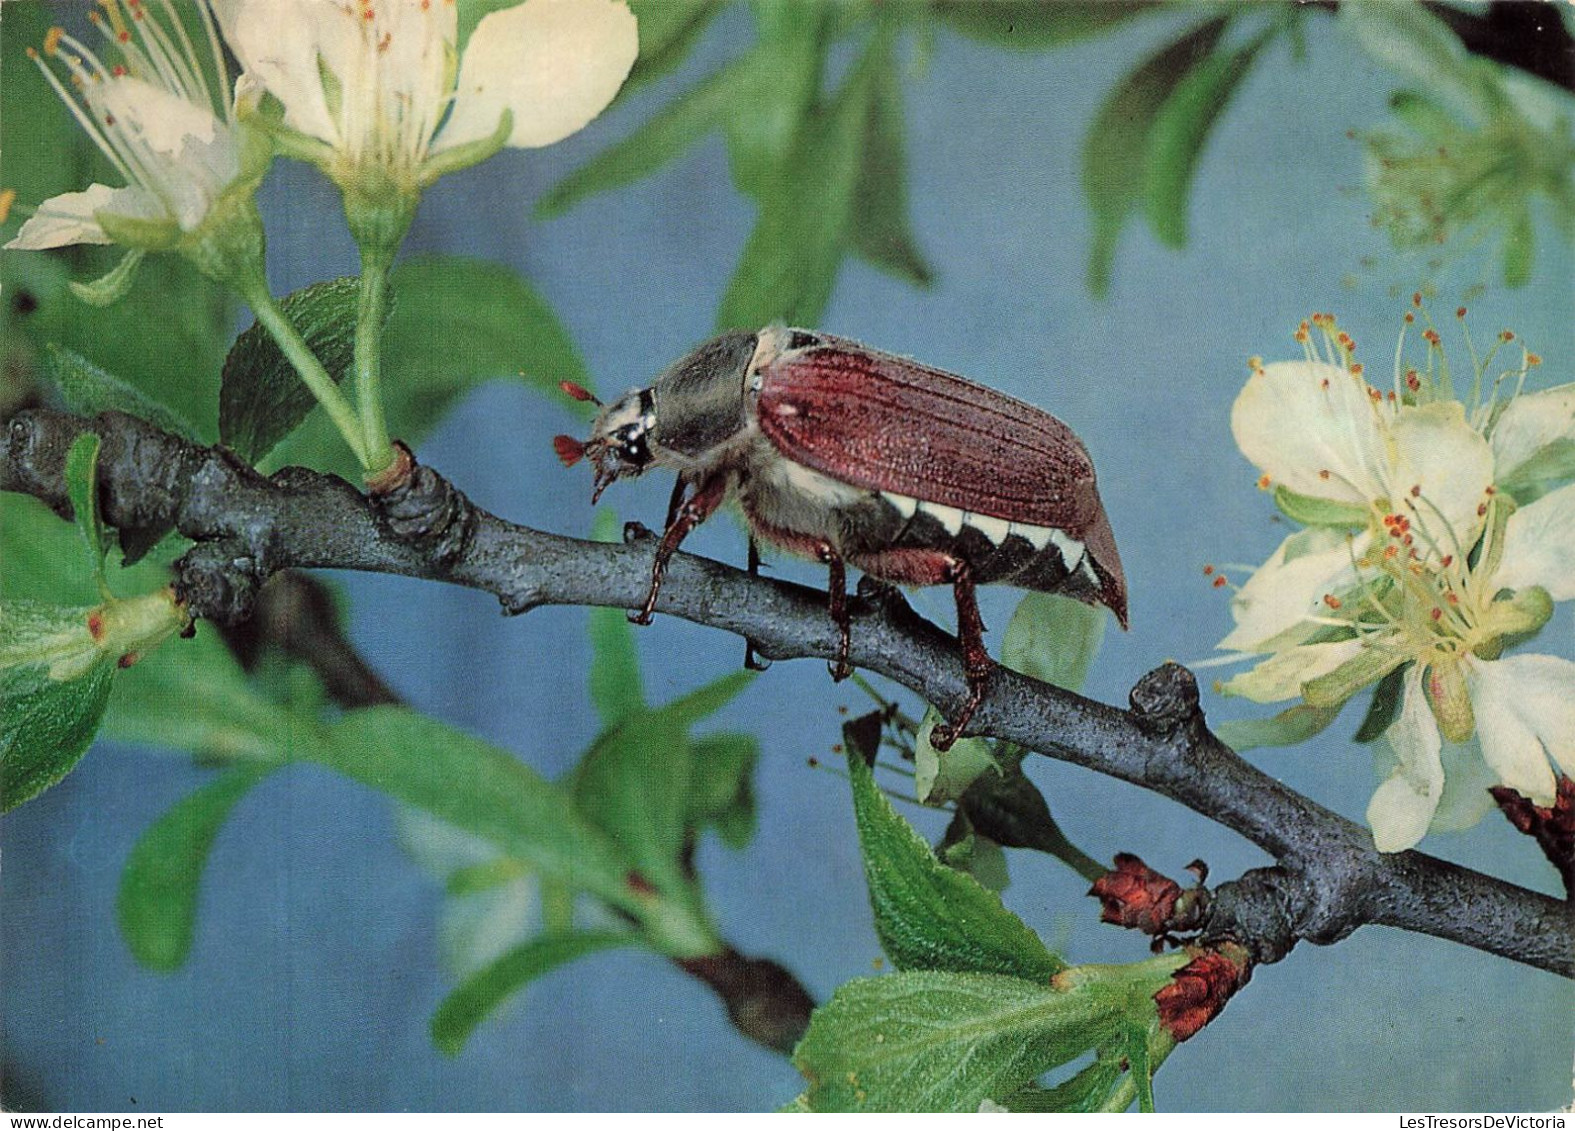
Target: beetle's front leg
x,y
837,594
977,664
687,515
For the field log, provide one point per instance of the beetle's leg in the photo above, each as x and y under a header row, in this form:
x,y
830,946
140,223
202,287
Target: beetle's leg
x,y
674,501
976,661
690,514
837,593
751,661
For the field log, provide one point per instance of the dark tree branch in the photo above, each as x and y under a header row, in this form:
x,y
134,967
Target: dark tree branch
x,y
1329,879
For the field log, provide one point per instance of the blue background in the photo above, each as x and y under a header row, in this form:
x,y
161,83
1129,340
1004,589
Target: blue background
x,y
314,972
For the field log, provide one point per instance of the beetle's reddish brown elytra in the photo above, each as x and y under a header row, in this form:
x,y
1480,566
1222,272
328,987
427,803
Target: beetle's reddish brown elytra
x,y
851,456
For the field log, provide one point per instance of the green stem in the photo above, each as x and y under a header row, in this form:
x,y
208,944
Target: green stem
x,y
373,307
306,364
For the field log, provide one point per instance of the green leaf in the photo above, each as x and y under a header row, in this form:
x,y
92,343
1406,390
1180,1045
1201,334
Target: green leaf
x,y
263,398
1383,707
1088,1090
930,1040
1053,638
82,488
881,232
478,788
706,701
1180,130
928,916
88,390
192,695
770,114
457,323
1117,143
669,30
1310,511
721,788
659,140
42,556
464,1009
633,785
1032,25
616,687
790,261
157,906
45,728
944,775
1009,809
967,850
1291,726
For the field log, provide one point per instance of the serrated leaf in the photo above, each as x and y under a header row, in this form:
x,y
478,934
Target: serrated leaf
x,y
942,776
881,232
468,1005
930,1040
1117,143
159,887
1310,511
45,730
928,916
790,261
1031,25
660,139
262,398
81,474
1053,638
1289,727
721,789
1181,129
88,390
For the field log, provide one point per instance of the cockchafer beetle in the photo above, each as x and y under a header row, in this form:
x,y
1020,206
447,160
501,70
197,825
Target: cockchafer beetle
x,y
851,456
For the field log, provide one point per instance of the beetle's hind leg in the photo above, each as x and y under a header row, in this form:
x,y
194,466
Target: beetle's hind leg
x,y
977,664
751,661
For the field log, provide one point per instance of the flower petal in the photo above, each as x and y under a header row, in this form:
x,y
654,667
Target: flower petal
x,y
1539,546
1289,588
1525,710
66,219
157,118
280,44
1281,676
1402,808
1314,428
1440,469
555,64
1530,423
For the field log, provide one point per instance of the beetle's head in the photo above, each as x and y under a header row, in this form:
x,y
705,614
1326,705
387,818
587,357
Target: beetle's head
x,y
619,445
